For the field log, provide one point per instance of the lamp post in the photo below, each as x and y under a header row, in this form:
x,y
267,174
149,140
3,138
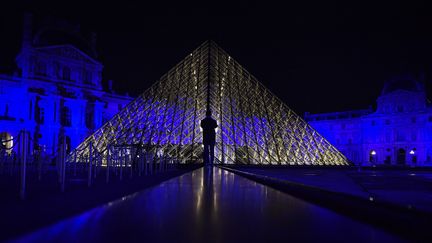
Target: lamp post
x,y
413,156
373,157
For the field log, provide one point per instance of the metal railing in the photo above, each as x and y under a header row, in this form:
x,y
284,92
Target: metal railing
x,y
116,163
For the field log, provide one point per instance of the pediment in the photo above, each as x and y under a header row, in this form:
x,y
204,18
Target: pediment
x,y
68,51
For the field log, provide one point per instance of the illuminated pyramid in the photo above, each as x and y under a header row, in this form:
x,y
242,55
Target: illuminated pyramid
x,y
255,126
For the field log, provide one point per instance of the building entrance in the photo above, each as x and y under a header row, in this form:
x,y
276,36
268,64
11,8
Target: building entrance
x,y
401,156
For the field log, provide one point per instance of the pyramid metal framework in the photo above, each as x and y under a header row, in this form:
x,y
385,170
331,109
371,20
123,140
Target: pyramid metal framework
x,y
254,126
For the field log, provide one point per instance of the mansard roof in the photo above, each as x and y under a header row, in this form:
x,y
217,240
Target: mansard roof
x,y
404,82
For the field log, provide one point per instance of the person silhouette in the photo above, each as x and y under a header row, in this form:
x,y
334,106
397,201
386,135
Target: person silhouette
x,y
208,124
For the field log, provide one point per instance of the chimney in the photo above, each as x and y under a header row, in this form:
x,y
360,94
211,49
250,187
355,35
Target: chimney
x,y
93,40
27,30
110,84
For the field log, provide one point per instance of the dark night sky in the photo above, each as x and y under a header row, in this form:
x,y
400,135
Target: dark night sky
x,y
315,57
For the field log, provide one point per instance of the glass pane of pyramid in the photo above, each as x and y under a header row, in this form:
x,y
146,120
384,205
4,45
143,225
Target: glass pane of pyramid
x,y
254,126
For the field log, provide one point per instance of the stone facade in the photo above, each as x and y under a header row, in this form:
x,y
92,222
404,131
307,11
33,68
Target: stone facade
x,y
399,132
56,91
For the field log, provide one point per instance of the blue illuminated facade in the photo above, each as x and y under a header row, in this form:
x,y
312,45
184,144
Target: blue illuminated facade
x,y
56,91
399,132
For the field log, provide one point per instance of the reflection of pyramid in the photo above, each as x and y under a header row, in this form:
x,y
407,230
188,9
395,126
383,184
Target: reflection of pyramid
x,y
255,127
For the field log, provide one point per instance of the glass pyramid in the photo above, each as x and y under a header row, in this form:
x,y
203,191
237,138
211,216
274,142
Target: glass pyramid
x,y
254,126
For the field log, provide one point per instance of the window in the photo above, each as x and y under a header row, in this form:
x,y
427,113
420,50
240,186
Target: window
x,y
343,126
40,68
400,108
65,117
30,110
40,115
414,136
89,118
413,120
373,123
387,122
57,70
6,111
68,144
88,77
400,136
387,160
388,137
430,119
66,73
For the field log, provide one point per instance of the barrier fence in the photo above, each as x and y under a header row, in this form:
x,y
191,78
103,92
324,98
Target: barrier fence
x,y
116,163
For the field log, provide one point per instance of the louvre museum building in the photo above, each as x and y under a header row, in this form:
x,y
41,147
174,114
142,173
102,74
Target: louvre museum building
x,y
398,132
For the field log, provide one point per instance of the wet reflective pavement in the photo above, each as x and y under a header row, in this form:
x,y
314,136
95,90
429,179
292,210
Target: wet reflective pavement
x,y
209,205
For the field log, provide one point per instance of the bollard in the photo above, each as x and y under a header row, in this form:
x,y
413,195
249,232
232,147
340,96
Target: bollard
x,y
131,163
140,158
152,160
23,141
75,162
96,162
108,165
90,160
39,166
116,160
145,163
63,164
121,163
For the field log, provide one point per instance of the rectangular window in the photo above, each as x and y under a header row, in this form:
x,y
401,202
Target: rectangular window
x,y
65,117
30,110
414,136
57,70
39,114
89,118
388,137
40,68
87,77
66,73
400,136
413,120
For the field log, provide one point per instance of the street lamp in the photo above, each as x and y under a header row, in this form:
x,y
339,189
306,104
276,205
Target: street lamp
x,y
413,156
372,157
